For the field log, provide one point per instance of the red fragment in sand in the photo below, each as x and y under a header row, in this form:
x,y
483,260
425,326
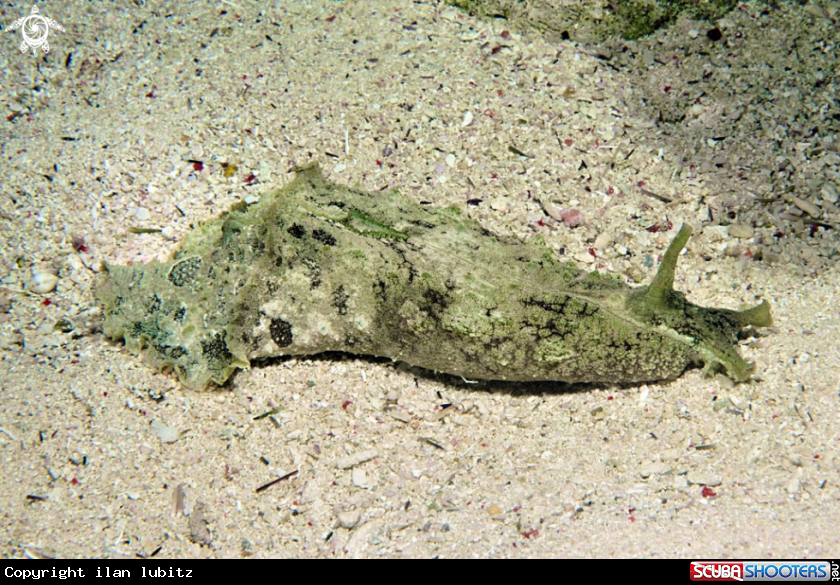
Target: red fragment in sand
x,y
708,492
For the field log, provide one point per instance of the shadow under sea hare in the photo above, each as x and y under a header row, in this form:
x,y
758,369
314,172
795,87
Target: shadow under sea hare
x,y
317,267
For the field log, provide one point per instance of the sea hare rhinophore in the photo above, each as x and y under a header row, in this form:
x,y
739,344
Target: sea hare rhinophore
x,y
317,267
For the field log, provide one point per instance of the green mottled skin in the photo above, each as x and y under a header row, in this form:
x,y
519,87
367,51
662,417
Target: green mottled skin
x,y
317,267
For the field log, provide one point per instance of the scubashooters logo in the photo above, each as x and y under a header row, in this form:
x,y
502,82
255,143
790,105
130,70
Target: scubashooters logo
x,y
761,571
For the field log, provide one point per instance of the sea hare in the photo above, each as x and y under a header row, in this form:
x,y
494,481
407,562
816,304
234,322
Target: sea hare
x,y
317,267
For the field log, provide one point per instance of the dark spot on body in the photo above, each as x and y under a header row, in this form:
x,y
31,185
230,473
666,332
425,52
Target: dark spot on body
x,y
177,352
257,246
297,231
380,290
324,237
313,272
134,329
216,349
281,332
154,304
339,299
434,303
180,313
185,271
173,352
423,224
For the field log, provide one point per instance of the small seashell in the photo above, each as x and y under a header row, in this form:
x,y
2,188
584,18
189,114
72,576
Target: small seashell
x,y
806,206
700,478
737,230
165,434
572,217
829,193
349,520
359,477
42,283
603,240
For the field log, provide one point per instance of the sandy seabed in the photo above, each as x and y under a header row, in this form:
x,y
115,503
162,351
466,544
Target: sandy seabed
x,y
159,115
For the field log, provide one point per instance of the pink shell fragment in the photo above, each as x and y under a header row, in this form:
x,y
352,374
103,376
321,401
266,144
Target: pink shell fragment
x,y
571,217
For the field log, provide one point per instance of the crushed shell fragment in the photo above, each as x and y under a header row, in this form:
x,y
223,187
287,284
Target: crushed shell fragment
x,y
42,283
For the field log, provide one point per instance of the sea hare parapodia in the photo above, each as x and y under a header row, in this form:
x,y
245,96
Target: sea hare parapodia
x,y
316,267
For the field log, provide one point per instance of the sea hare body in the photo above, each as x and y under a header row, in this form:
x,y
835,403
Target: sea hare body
x,y
317,267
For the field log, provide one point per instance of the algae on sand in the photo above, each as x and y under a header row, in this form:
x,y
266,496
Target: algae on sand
x,y
595,20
